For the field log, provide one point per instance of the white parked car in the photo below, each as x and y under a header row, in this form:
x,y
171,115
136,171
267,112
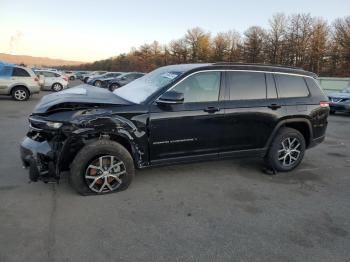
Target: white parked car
x,y
51,80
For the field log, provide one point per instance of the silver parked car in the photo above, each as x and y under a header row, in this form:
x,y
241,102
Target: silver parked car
x,y
18,82
51,80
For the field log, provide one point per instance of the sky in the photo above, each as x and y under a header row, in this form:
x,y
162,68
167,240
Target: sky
x,y
92,30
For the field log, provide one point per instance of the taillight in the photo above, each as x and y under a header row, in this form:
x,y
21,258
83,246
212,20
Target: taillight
x,y
36,79
65,79
324,104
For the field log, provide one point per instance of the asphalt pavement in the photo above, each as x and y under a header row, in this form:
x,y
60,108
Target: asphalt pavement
x,y
212,211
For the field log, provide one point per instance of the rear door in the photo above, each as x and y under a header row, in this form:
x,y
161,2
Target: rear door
x,y
192,128
5,79
252,110
49,78
21,76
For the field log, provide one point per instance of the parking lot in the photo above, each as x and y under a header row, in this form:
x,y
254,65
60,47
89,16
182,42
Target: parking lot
x,y
213,211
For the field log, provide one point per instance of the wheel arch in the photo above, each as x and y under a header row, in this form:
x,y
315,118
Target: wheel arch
x,y
20,85
80,139
303,125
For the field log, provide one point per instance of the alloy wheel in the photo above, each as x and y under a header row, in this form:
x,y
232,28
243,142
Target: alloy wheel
x,y
57,87
104,174
289,151
20,95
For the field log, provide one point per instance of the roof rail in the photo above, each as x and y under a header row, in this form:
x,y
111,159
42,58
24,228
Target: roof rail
x,y
257,64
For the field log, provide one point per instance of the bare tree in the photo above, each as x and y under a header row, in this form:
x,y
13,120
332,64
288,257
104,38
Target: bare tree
x,y
221,46
254,44
276,38
341,39
318,44
199,44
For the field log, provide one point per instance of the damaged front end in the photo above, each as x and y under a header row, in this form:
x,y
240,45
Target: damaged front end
x,y
57,132
39,149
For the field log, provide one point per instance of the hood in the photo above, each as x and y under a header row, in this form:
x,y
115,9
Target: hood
x,y
84,94
339,95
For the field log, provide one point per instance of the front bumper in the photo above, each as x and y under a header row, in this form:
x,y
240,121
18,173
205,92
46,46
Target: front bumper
x,y
39,158
341,107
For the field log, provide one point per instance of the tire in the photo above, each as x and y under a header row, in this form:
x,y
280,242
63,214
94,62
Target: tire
x,y
83,171
113,87
71,78
98,83
20,93
286,158
56,87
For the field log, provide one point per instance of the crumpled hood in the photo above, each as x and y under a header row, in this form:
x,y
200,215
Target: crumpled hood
x,y
84,94
339,95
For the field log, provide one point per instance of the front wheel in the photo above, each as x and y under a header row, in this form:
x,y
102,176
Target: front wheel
x,y
113,87
102,167
98,83
286,151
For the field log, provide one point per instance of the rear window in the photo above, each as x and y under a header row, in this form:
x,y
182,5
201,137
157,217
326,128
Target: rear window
x,y
291,86
246,85
19,72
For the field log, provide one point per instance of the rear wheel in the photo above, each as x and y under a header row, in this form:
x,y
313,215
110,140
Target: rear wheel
x,y
20,93
56,87
286,151
102,167
113,87
72,78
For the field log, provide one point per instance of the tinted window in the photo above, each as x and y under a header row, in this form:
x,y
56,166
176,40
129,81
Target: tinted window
x,y
20,72
201,87
6,71
291,86
271,91
246,85
48,74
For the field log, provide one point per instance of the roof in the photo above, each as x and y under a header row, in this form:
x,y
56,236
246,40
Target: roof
x,y
242,66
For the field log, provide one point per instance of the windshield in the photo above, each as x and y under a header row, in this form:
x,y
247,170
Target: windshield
x,y
346,90
139,90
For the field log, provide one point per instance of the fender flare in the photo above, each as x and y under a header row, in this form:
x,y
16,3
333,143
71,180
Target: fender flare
x,y
287,121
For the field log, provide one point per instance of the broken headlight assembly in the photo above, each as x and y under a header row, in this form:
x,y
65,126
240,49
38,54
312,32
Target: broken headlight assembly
x,y
44,124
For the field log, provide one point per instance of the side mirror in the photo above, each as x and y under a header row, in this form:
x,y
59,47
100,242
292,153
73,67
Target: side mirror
x,y
171,97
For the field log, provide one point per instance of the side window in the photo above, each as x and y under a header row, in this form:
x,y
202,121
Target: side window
x,y
271,91
6,71
19,72
246,85
200,87
291,86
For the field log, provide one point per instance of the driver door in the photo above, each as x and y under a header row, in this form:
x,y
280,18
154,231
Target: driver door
x,y
191,128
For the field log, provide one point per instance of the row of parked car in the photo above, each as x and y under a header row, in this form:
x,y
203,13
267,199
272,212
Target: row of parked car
x,y
21,82
109,80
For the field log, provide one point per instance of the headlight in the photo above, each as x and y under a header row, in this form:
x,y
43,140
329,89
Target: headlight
x,y
54,125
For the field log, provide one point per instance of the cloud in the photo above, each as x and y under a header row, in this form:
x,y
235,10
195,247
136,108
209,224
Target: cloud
x,y
14,39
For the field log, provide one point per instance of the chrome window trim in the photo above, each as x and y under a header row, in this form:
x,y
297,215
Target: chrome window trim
x,y
231,70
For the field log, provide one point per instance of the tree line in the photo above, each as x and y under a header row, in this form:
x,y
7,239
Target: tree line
x,y
298,40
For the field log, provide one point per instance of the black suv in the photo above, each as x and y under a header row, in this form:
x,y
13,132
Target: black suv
x,y
175,114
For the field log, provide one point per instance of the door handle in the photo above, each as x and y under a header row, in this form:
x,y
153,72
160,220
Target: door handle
x,y
211,109
274,106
